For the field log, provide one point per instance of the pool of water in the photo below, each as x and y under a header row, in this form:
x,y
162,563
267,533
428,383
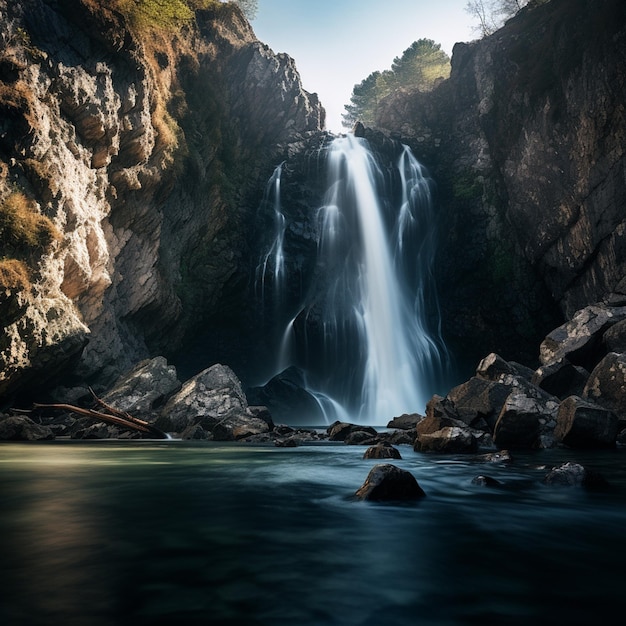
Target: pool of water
x,y
143,533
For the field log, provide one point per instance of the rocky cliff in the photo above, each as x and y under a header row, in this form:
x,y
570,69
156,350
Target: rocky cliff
x,y
527,142
139,155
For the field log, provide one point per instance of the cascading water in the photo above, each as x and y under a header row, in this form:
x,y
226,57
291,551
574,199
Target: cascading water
x,y
365,331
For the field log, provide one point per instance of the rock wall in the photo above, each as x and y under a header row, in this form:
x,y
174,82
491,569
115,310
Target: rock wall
x,y
146,151
526,141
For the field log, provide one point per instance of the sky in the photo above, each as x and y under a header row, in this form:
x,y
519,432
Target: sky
x,y
338,43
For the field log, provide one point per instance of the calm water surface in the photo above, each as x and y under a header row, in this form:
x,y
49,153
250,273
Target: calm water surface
x,y
177,533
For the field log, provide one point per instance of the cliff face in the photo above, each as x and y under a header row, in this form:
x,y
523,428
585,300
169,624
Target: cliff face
x,y
527,142
146,154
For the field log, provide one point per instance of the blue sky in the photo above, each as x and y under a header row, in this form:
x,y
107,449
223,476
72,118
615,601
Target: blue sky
x,y
338,43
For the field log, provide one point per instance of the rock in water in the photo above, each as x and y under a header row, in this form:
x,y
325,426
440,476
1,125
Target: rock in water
x,y
388,482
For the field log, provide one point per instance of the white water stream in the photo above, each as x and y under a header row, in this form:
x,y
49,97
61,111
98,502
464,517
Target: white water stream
x,y
369,349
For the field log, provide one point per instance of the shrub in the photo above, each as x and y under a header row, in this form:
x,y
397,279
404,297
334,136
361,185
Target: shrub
x,y
13,275
22,228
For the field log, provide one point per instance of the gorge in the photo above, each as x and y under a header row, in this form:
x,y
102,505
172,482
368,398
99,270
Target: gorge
x,y
185,247
150,157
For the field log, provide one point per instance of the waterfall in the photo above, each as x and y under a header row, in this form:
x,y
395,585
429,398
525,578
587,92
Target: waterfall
x,y
365,331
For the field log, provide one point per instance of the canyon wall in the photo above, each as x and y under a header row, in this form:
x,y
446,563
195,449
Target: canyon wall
x,y
527,142
143,152
133,164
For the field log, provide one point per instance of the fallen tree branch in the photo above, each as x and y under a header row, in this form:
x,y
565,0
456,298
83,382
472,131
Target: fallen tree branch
x,y
114,416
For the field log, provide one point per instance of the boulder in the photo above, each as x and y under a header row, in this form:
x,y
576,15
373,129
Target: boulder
x,y
607,383
382,450
432,424
238,426
23,428
579,340
493,366
561,379
389,483
581,424
287,398
339,431
572,474
523,419
439,406
479,401
213,399
614,339
405,421
144,389
449,440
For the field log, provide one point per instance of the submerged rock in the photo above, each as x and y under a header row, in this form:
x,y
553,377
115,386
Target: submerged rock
x,y
388,482
382,450
574,475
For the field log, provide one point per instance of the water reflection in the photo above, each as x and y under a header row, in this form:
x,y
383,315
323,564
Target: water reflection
x,y
107,533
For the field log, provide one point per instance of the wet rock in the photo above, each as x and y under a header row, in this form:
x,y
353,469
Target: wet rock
x,y
578,339
389,483
405,421
22,428
523,419
399,437
502,456
289,442
449,440
561,379
479,399
582,424
382,451
339,431
485,481
493,367
287,398
572,474
607,383
614,339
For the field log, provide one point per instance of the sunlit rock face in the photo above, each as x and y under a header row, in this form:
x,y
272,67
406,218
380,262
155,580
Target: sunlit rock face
x,y
527,143
145,152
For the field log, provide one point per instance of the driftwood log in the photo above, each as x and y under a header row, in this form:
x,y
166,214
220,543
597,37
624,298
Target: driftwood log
x,y
109,415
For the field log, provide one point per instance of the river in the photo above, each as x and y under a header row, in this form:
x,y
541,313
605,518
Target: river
x,y
156,533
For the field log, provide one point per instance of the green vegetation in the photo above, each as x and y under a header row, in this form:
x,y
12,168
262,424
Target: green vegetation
x,y
165,14
419,68
171,14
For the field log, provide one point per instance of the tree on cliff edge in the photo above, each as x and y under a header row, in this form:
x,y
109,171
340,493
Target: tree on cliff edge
x,y
492,14
419,68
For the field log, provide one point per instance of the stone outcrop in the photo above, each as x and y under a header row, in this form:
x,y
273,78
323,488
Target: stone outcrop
x,y
508,406
389,483
526,141
146,150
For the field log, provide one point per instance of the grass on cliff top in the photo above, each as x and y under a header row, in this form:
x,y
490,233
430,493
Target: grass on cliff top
x,y
165,14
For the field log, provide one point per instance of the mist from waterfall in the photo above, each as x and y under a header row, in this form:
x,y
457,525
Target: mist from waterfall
x,y
365,331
